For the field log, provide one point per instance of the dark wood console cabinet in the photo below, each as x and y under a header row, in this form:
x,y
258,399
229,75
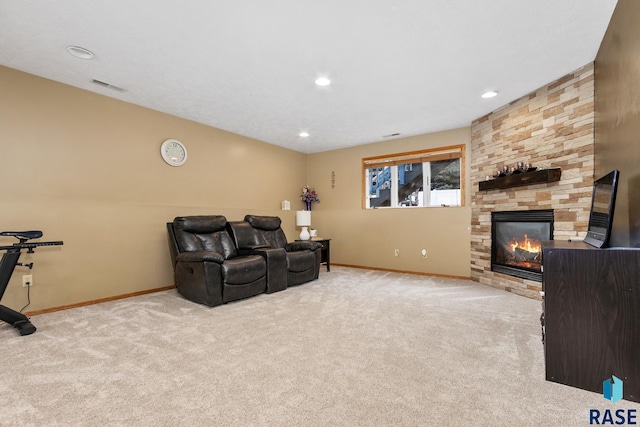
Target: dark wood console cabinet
x,y
592,316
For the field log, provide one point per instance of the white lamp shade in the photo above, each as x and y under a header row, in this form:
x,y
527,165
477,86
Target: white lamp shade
x,y
303,218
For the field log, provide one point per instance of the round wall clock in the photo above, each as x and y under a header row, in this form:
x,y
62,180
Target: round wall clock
x,y
173,152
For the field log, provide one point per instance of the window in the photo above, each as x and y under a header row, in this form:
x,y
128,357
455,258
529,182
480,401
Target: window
x,y
420,178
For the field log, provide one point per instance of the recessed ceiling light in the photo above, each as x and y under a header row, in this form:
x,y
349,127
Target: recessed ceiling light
x,y
323,81
80,52
303,134
489,94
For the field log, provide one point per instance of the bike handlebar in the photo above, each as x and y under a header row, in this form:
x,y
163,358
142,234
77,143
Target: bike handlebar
x,y
30,245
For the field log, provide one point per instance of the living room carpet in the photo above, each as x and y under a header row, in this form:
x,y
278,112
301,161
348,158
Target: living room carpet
x,y
354,348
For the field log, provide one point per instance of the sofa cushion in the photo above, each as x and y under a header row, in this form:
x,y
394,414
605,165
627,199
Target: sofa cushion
x,y
263,222
204,233
300,260
200,224
268,230
242,270
244,236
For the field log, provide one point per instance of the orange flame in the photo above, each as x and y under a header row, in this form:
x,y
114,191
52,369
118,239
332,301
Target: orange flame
x,y
533,246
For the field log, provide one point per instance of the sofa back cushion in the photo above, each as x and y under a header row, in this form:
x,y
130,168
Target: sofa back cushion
x,y
268,230
244,236
205,232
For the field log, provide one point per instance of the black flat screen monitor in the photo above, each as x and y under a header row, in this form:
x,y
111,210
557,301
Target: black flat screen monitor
x,y
603,203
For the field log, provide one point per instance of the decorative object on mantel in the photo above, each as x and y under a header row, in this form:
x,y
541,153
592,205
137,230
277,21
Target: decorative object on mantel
x,y
516,180
520,167
309,196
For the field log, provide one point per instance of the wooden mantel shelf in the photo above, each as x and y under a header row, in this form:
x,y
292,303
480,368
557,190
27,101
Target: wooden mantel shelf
x,y
520,179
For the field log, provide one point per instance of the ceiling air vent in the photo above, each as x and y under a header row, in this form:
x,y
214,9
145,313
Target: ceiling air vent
x,y
107,85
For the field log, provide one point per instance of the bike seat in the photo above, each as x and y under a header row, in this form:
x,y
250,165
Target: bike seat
x,y
33,234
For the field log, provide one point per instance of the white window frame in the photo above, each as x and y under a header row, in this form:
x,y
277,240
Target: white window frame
x,y
424,157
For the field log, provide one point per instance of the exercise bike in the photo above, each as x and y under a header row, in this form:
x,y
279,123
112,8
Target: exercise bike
x,y
8,263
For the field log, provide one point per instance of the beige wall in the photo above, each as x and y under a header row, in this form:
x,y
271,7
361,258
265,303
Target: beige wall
x,y
367,238
617,71
86,169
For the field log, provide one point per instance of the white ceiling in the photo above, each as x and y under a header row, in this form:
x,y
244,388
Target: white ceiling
x,y
248,66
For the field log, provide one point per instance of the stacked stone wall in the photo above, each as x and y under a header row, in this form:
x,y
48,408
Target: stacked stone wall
x,y
552,127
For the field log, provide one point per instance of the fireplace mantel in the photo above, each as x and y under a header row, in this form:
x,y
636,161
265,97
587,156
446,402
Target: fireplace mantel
x,y
518,180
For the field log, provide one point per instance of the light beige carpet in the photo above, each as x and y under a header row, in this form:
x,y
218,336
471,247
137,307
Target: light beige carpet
x,y
355,348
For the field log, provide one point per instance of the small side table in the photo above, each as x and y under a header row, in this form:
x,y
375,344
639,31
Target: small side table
x,y
325,251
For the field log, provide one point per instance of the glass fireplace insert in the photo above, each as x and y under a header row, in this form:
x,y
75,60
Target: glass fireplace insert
x,y
516,242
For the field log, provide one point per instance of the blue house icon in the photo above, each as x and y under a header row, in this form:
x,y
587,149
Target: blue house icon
x,y
612,389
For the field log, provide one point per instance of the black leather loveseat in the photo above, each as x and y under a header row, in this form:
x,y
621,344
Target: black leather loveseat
x,y
296,262
207,267
216,261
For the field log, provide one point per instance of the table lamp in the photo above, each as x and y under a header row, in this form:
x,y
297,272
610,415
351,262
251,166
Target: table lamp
x,y
303,219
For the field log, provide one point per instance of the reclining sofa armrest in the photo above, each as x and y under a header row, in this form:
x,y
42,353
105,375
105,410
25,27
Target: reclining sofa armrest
x,y
200,256
252,250
276,259
302,245
173,245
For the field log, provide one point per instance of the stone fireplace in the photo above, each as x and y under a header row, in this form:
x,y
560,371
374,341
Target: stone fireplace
x,y
550,128
516,242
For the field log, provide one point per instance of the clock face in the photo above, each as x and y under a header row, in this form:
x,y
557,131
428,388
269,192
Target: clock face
x,y
173,152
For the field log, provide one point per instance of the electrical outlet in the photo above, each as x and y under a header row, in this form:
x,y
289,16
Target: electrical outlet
x,y
424,253
396,252
27,280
